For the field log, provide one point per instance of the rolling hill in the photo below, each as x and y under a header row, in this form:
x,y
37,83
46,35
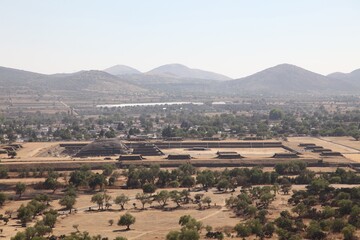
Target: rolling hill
x,y
121,70
181,71
175,78
285,78
351,78
80,81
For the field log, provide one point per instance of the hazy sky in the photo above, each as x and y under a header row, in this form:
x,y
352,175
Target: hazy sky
x,y
232,37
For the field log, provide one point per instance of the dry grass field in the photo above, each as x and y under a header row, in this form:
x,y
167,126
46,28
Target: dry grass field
x,y
211,153
151,223
345,145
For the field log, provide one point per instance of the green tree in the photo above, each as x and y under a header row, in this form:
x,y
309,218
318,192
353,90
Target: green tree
x,y
107,169
51,183
149,188
3,198
173,235
20,188
25,214
162,197
144,199
348,232
242,230
99,199
276,114
3,172
126,220
68,202
122,200
223,185
50,218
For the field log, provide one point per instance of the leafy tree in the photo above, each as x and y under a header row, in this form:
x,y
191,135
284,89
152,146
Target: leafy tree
x,y
68,202
149,188
122,200
25,214
126,220
50,218
348,232
188,181
337,225
173,235
144,199
269,229
99,199
276,114
97,180
3,198
162,197
120,238
176,197
223,185
20,188
313,231
206,200
3,172
242,230
51,183
206,178
186,234
168,132
107,169
189,222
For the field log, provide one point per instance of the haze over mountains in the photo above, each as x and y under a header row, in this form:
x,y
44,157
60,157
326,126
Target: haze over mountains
x,y
288,78
351,78
80,81
169,70
280,79
121,70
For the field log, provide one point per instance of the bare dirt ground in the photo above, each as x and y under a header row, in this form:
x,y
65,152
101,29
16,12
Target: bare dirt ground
x,y
333,145
211,152
34,148
150,223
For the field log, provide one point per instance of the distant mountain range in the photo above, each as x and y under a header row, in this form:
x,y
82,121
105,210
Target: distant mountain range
x,y
351,78
181,71
288,78
169,71
120,79
80,81
121,70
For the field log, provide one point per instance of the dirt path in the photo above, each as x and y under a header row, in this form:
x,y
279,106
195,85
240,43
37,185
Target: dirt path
x,y
200,219
342,145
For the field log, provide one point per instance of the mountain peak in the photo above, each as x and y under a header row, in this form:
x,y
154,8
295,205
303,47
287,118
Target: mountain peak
x,y
121,70
181,71
288,78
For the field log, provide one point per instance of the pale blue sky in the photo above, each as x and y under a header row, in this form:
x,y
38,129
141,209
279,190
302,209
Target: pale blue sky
x,y
232,37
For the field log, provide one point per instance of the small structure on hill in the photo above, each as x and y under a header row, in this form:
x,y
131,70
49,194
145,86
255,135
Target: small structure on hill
x,y
331,154
198,149
312,147
3,151
173,139
179,157
127,157
228,155
147,149
306,144
319,150
285,155
103,147
211,139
